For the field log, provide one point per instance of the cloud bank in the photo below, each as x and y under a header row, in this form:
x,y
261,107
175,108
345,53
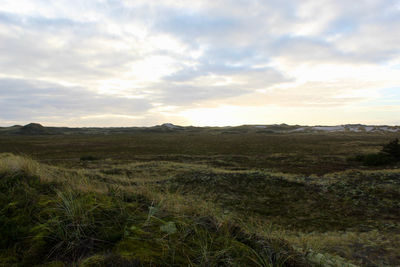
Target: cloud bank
x,y
220,62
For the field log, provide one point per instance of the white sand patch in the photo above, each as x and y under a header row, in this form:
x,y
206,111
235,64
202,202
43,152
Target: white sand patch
x,y
329,128
301,129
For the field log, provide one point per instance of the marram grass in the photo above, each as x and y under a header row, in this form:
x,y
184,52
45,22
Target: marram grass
x,y
53,222
160,213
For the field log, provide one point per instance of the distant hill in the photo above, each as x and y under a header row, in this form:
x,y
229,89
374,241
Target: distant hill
x,y
171,126
29,129
33,129
38,129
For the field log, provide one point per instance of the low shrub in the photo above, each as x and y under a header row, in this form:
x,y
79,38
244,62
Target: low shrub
x,y
390,153
375,159
392,148
89,158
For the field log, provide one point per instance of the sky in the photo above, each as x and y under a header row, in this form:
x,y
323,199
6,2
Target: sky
x,y
209,62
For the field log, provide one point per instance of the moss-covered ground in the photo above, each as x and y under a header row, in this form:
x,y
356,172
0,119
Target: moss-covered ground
x,y
56,217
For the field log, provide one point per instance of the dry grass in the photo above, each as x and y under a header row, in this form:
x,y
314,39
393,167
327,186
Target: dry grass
x,y
252,190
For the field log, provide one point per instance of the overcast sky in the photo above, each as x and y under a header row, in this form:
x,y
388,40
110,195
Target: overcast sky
x,y
208,62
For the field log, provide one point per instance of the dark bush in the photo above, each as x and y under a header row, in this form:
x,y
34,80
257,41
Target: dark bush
x,y
392,148
88,158
376,159
390,153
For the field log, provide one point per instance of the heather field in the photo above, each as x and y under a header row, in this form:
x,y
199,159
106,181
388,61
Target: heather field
x,y
205,198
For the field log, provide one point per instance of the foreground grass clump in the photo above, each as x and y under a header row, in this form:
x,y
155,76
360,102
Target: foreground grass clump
x,y
49,217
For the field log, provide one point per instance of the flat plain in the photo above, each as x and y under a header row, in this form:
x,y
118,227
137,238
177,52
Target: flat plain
x,y
198,198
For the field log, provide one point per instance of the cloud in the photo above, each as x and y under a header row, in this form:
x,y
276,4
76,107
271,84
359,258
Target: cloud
x,y
30,100
195,27
185,54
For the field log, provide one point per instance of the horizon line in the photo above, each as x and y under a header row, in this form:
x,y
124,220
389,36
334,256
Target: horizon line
x,y
217,126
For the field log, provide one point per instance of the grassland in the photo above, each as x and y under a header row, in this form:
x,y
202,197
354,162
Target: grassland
x,y
289,153
198,199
